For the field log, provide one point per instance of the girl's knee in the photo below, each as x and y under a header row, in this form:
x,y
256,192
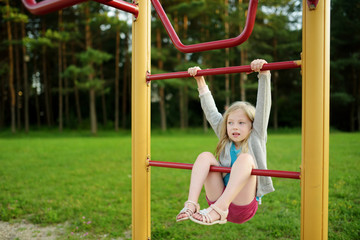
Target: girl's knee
x,y
206,157
245,160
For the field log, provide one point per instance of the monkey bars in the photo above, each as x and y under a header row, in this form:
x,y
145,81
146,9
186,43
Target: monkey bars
x,y
199,47
315,107
258,172
225,70
48,6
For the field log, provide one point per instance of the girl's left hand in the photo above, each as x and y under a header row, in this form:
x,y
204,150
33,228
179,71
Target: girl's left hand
x,y
257,64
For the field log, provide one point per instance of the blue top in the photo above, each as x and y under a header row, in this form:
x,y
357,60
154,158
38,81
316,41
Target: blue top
x,y
234,154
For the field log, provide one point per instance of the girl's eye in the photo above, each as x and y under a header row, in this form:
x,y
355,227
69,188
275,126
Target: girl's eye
x,y
230,123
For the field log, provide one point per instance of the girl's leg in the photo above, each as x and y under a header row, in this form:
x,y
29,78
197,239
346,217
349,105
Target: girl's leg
x,y
240,189
201,174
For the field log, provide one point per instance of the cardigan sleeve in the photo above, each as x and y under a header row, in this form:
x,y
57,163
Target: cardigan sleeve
x,y
211,112
263,105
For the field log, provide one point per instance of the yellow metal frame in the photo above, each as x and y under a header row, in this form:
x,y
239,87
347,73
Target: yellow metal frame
x,y
140,123
315,122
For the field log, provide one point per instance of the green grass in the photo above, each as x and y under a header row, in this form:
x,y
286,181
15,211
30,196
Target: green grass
x,y
84,183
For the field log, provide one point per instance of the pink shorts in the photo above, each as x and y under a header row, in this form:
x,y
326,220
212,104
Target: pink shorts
x,y
240,213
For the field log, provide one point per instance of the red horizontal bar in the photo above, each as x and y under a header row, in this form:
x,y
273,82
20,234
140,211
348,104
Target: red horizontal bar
x,y
257,172
226,43
122,5
225,70
49,6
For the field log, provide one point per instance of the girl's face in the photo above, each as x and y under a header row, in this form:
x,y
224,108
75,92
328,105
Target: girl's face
x,y
238,126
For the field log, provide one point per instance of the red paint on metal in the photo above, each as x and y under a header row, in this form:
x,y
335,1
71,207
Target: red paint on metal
x,y
122,5
48,6
312,4
224,70
199,47
258,172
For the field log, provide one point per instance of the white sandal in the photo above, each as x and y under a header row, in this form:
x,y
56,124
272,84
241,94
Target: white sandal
x,y
188,211
206,218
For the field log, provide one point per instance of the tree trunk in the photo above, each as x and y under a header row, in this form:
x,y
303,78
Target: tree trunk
x,y
92,96
206,60
183,101
243,76
227,54
25,76
161,87
59,76
358,104
181,93
76,90
93,119
18,80
186,107
243,58
353,107
186,94
37,104
37,107
275,88
2,102
162,108
275,99
357,100
117,74
11,71
125,83
66,86
233,88
47,85
103,97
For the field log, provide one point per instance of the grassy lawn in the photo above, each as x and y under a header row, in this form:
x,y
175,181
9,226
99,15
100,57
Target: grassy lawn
x,y
84,183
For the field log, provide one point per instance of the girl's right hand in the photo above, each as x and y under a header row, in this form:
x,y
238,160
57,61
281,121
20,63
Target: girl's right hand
x,y
257,64
193,71
200,79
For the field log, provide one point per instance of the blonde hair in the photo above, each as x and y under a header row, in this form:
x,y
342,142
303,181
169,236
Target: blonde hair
x,y
249,110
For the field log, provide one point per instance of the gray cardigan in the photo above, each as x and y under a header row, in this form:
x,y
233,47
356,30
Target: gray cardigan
x,y
258,135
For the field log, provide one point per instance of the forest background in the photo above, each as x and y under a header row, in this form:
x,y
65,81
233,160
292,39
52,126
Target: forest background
x,y
72,69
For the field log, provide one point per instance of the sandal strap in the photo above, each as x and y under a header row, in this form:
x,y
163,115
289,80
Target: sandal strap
x,y
189,212
205,213
223,214
196,205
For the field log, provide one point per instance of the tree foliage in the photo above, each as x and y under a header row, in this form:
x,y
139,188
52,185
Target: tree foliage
x,y
276,37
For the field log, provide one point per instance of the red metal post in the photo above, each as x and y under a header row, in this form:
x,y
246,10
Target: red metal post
x,y
226,43
258,172
225,70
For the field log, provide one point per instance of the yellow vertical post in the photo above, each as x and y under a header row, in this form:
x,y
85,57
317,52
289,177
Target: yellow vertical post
x,y
315,120
140,123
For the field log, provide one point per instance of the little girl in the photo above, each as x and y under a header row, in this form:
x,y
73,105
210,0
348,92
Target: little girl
x,y
242,133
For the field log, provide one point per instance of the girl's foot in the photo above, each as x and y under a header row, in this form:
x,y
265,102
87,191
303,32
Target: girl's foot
x,y
190,208
210,216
